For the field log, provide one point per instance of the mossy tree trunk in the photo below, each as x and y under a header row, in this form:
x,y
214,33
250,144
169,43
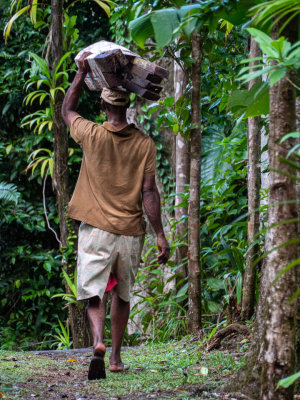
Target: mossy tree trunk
x,y
194,309
77,314
278,357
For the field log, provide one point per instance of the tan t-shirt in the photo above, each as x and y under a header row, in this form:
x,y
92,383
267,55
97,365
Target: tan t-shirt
x,y
108,191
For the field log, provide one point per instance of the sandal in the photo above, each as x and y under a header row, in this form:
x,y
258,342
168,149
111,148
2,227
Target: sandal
x,y
120,367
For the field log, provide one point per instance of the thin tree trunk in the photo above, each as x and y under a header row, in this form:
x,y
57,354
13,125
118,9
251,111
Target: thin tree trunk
x,y
182,176
248,298
60,139
77,315
194,311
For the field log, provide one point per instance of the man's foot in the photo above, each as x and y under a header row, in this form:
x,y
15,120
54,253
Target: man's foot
x,y
119,367
97,365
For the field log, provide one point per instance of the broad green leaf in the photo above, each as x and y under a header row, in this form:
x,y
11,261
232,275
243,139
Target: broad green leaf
x,y
259,103
278,44
237,99
289,380
141,29
164,23
42,64
277,75
255,101
264,41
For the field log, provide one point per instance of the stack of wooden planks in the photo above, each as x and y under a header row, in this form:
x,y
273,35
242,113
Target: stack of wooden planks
x,y
116,67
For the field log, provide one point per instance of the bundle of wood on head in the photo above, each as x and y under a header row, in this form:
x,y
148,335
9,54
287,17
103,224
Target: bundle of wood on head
x,y
116,67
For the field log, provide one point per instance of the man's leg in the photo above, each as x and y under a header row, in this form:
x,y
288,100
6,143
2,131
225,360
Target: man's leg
x,y
96,314
119,314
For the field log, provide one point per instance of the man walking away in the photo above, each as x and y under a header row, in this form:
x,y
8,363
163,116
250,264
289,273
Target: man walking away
x,y
117,176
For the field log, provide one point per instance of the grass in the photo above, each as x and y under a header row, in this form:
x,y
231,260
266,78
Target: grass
x,y
174,370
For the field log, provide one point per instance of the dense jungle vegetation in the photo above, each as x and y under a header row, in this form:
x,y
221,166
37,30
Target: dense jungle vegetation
x,y
227,136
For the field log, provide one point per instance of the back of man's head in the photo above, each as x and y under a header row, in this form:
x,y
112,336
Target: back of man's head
x,y
115,97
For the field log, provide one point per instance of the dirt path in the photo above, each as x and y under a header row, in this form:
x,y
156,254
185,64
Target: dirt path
x,y
176,370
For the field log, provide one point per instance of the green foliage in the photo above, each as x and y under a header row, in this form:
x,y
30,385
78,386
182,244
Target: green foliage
x,y
165,24
151,127
286,56
69,297
288,381
269,13
250,103
63,340
42,76
161,310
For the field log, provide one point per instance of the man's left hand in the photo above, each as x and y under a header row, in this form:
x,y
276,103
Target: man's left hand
x,y
164,250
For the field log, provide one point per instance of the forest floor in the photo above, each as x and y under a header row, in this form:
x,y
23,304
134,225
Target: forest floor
x,y
174,370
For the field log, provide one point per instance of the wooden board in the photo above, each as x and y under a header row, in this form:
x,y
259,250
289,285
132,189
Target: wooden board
x,y
150,67
147,94
112,61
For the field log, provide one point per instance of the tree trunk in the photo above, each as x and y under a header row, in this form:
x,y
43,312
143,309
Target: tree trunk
x,y
279,320
182,177
77,314
253,138
194,311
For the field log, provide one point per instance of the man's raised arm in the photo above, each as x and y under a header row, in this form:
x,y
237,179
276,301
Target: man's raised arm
x,y
70,102
151,201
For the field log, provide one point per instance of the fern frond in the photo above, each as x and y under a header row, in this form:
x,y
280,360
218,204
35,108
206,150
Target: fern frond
x,y
9,192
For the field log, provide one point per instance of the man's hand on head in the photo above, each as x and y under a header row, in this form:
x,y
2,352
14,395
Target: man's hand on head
x,y
83,66
72,96
164,249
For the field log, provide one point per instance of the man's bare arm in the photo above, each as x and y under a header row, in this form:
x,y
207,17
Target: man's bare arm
x,y
151,201
70,102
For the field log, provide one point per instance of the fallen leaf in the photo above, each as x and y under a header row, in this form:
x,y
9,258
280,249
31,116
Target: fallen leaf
x,y
204,371
72,360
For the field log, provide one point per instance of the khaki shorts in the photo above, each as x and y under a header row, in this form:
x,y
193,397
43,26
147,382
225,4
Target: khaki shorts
x,y
99,254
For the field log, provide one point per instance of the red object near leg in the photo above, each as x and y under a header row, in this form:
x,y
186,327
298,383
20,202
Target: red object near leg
x,y
111,283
